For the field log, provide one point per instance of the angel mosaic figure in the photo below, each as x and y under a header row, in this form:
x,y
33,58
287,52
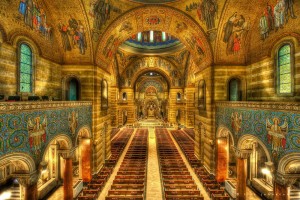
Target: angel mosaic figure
x,y
276,133
37,132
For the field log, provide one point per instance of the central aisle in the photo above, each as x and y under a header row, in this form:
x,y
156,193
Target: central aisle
x,y
154,188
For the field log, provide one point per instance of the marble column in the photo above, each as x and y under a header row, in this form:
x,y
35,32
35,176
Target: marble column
x,y
85,160
29,182
241,156
282,187
222,159
68,173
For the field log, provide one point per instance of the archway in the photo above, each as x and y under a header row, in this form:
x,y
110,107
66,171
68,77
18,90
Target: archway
x,y
72,89
14,169
289,172
52,165
172,21
256,167
225,159
151,90
83,155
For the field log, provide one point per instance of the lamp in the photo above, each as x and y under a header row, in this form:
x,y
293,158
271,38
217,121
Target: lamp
x,y
5,195
265,172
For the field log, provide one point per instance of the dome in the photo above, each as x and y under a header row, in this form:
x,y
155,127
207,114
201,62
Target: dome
x,y
152,42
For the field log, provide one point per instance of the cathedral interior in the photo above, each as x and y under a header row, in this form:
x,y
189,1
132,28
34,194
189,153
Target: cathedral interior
x,y
150,99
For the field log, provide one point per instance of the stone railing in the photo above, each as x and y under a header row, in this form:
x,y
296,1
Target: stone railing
x,y
278,106
7,107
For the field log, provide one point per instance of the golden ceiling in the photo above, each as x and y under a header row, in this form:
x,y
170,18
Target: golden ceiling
x,y
91,31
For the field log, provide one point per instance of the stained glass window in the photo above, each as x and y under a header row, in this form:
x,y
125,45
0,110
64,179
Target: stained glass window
x,y
139,36
151,36
201,95
284,69
163,36
25,68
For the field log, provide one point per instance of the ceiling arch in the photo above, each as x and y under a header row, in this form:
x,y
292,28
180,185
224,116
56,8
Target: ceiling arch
x,y
155,17
138,74
149,62
146,83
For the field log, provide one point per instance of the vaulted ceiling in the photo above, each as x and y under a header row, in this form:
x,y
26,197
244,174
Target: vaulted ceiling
x,y
224,32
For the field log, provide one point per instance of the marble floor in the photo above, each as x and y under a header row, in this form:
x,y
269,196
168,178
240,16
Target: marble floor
x,y
154,187
58,194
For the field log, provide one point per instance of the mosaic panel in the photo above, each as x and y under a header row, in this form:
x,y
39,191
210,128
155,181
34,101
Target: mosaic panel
x,y
31,131
278,130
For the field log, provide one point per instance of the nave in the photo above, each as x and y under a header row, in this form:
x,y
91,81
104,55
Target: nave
x,y
153,163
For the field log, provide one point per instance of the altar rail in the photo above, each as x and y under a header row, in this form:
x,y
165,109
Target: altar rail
x,y
6,107
279,106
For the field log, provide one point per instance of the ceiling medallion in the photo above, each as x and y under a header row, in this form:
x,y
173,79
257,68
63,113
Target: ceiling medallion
x,y
153,20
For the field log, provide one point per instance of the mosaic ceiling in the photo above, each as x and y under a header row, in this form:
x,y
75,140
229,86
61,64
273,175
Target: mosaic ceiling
x,y
90,32
153,1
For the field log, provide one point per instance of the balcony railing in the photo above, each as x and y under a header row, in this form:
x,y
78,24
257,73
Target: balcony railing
x,y
6,107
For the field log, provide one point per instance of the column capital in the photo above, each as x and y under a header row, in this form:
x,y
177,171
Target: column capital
x,y
284,180
27,179
242,153
67,153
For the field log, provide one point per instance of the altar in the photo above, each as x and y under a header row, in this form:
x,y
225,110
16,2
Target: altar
x,y
151,113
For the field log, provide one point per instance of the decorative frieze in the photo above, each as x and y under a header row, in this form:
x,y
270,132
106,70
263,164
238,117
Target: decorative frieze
x,y
279,106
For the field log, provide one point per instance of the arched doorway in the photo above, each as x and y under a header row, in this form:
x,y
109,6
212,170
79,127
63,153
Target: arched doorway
x,y
255,169
225,159
82,158
52,165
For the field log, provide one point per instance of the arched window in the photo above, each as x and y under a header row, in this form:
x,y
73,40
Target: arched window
x,y
25,69
201,95
234,90
178,97
284,70
73,92
104,94
124,96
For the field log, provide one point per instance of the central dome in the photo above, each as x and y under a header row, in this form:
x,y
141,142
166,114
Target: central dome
x,y
153,1
151,42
